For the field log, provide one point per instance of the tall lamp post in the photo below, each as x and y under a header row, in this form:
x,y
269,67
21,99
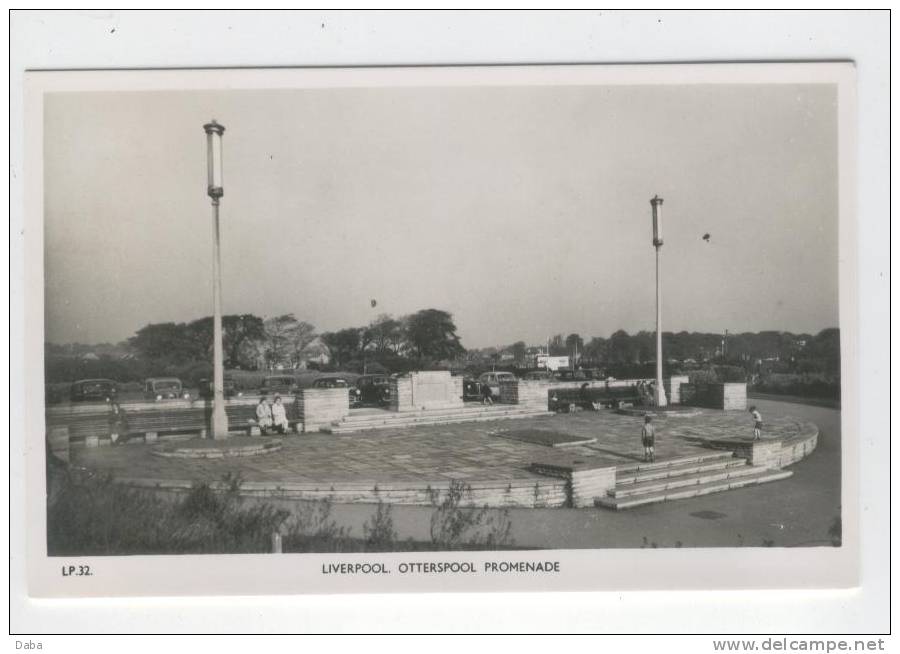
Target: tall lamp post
x,y
656,203
215,190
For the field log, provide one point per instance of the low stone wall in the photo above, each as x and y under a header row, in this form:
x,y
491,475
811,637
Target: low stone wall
x,y
92,424
320,407
526,392
527,493
401,394
728,397
771,452
672,386
584,484
779,453
426,390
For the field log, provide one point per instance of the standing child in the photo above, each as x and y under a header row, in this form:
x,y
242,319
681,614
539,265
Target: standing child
x,y
648,438
757,423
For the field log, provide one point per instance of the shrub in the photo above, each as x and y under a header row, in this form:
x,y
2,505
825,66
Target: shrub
x,y
379,532
314,530
93,515
454,526
817,385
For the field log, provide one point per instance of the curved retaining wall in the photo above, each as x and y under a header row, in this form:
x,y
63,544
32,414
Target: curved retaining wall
x,y
530,493
772,453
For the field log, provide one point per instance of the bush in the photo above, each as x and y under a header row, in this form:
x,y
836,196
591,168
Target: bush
x,y
813,385
454,526
93,515
729,374
379,530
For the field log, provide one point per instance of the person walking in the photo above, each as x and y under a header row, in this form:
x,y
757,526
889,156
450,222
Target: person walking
x,y
279,416
263,415
648,438
118,424
757,423
487,397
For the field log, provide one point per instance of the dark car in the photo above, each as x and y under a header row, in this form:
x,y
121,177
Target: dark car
x,y
339,382
85,390
471,389
374,389
281,384
581,374
229,387
163,388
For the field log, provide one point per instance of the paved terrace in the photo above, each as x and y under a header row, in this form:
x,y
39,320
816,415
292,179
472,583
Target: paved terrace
x,y
470,451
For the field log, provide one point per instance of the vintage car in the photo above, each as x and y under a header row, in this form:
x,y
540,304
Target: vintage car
x,y
229,387
493,379
85,390
471,389
374,389
580,374
163,388
337,381
281,384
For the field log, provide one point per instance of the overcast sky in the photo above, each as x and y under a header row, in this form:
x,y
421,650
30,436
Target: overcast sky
x,y
524,211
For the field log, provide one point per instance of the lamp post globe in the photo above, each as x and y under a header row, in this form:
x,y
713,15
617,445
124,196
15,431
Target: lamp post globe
x,y
215,189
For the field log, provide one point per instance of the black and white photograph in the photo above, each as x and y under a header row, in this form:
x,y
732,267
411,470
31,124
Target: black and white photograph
x,y
501,312
430,322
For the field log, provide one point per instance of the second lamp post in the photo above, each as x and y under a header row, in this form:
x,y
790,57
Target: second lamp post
x,y
656,203
215,190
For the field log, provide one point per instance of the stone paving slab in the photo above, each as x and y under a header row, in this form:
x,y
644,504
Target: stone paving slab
x,y
471,451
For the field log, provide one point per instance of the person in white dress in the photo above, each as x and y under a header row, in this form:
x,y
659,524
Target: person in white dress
x,y
279,416
264,415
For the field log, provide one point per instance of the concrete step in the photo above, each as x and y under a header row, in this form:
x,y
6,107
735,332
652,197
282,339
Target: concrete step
x,y
412,416
759,475
377,416
680,470
349,427
684,481
700,457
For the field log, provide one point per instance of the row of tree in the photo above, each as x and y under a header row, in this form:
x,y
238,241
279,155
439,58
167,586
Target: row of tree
x,y
249,342
809,353
428,337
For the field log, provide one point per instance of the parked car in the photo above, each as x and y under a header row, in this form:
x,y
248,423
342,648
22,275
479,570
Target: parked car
x,y
471,389
85,390
229,387
336,381
281,384
580,374
493,379
374,389
539,375
163,388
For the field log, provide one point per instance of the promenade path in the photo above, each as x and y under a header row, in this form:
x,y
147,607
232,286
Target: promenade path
x,y
465,451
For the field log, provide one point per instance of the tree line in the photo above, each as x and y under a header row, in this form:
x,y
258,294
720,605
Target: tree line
x,y
250,342
423,339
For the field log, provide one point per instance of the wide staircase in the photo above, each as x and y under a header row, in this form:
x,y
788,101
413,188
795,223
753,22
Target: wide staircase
x,y
364,419
682,478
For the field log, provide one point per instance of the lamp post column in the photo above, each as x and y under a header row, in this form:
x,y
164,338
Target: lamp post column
x,y
660,398
219,417
215,190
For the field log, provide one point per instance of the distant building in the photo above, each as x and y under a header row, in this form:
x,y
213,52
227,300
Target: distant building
x,y
550,363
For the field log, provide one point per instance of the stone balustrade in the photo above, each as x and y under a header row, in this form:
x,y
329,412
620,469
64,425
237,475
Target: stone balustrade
x,y
320,407
728,397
